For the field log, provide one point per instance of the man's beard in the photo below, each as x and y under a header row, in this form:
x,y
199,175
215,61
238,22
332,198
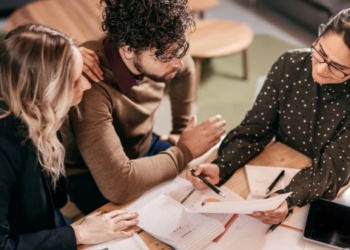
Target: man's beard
x,y
164,78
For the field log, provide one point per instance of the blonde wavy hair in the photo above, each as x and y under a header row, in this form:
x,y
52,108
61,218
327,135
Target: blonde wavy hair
x,y
36,84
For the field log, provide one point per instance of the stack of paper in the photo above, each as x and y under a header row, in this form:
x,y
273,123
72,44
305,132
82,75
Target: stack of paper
x,y
166,219
186,218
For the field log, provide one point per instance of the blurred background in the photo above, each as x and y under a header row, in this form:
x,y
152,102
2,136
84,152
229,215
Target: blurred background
x,y
233,54
234,45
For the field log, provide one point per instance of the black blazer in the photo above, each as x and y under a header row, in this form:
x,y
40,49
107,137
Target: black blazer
x,y
29,216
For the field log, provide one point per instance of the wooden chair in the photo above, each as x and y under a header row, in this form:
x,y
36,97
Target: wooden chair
x,y
217,38
199,6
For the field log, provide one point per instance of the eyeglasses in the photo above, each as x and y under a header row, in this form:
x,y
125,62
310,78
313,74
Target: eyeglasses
x,y
333,69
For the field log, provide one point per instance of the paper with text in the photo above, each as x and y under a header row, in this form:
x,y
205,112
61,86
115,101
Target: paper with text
x,y
166,219
133,243
242,207
182,191
260,178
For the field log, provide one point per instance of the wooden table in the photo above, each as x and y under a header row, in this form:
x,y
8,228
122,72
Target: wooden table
x,y
275,155
80,19
217,38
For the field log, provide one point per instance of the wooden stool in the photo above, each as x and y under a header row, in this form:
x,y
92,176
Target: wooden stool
x,y
217,38
199,6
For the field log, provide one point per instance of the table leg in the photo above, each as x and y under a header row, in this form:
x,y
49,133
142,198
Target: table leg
x,y
245,64
198,65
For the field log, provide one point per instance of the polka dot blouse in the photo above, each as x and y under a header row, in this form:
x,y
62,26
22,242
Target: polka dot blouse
x,y
313,119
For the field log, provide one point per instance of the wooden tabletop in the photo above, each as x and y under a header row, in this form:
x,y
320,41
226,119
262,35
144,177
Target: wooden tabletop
x,y
216,38
275,155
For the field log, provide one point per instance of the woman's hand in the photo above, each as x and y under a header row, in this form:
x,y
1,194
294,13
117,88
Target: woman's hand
x,y
208,171
91,64
274,216
99,227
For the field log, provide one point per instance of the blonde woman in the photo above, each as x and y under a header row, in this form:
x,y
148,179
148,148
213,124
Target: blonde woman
x,y
40,80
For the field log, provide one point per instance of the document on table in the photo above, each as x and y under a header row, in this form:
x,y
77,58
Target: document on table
x,y
182,191
298,219
133,243
241,207
167,220
250,233
260,178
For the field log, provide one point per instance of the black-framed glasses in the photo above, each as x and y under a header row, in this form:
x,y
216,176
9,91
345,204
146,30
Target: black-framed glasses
x,y
333,69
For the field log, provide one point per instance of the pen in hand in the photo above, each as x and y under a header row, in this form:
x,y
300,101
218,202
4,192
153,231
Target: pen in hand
x,y
273,184
211,186
273,227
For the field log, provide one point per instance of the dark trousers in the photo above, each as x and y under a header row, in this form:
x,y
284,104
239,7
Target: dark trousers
x,y
84,192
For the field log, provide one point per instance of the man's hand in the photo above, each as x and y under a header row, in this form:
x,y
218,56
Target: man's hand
x,y
91,64
208,171
275,216
199,139
172,138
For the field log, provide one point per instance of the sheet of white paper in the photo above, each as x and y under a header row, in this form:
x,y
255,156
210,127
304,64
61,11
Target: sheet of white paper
x,y
180,188
241,207
199,198
313,246
260,178
298,219
133,243
166,219
249,233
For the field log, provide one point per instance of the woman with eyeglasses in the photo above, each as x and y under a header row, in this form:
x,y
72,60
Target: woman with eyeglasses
x,y
40,80
305,104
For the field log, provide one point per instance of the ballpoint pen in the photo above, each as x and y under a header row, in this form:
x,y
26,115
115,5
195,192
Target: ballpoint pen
x,y
273,227
211,186
273,184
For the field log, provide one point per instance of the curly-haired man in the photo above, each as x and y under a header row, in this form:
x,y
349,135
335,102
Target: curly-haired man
x,y
144,49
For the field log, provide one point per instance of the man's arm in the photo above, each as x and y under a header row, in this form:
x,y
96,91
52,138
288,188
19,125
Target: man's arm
x,y
182,94
119,178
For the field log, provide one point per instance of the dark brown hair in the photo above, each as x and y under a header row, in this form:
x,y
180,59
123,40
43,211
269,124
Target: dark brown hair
x,y
338,25
144,24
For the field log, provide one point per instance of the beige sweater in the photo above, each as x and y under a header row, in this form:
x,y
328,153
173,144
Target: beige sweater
x,y
115,131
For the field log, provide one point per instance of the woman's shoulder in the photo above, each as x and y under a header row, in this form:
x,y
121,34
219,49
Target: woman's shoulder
x,y
295,56
12,137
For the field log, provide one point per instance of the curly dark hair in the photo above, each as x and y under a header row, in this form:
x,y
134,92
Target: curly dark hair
x,y
144,24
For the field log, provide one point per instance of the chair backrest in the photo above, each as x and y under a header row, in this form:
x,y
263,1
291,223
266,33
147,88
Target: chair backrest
x,y
199,6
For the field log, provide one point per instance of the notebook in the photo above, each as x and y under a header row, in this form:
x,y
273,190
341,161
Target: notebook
x,y
167,220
